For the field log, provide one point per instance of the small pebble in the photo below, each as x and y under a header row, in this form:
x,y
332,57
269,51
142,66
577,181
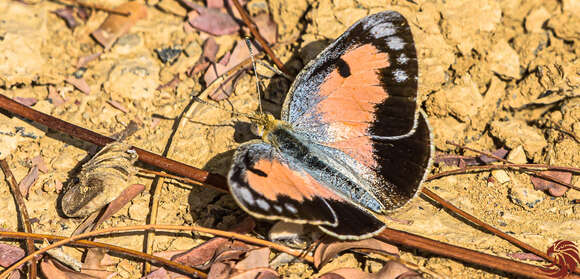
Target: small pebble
x,y
168,54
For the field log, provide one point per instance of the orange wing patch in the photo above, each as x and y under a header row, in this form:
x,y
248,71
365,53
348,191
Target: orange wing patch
x,y
280,180
349,101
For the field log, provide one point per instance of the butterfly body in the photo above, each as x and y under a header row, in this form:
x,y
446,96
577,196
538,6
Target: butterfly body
x,y
351,144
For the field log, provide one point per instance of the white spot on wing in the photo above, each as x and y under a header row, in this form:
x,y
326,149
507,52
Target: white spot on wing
x,y
291,208
400,75
395,43
278,208
246,195
263,204
383,30
402,59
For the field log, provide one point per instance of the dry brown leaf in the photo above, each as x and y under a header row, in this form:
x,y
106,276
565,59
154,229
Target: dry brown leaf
x,y
80,84
126,196
83,61
267,27
326,251
116,25
239,54
54,270
211,20
254,259
29,180
201,255
39,162
256,273
94,263
26,101
10,254
68,15
391,270
55,98
555,189
219,270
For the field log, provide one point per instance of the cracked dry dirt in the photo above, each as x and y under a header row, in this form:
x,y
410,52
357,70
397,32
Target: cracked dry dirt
x,y
492,74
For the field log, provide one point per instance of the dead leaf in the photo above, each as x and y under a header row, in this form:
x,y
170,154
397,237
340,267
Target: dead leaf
x,y
83,61
555,189
80,84
39,162
212,21
526,256
391,270
157,274
201,255
117,105
10,254
54,270
267,27
28,181
255,259
326,251
126,195
55,98
256,273
94,263
26,101
116,25
501,153
219,270
68,15
238,55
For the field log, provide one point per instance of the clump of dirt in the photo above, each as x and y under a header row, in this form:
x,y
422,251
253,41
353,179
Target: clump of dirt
x,y
492,74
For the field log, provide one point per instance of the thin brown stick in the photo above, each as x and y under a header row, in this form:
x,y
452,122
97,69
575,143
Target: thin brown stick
x,y
209,179
91,244
168,175
112,230
463,254
519,167
23,214
254,30
531,172
484,225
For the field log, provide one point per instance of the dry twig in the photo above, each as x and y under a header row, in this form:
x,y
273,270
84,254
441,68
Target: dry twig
x,y
23,214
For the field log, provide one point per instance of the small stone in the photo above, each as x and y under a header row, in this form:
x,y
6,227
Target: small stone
x,y
290,233
536,19
193,50
517,155
516,133
504,60
168,55
500,176
257,7
138,211
526,196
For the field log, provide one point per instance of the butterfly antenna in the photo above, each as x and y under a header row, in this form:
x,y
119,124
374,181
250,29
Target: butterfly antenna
x,y
197,99
249,44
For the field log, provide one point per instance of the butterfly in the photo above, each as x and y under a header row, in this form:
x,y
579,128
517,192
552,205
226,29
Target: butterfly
x,y
351,145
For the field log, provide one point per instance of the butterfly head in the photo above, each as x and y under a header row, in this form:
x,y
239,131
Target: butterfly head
x,y
264,123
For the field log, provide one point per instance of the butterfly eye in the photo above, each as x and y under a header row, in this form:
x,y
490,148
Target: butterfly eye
x,y
257,130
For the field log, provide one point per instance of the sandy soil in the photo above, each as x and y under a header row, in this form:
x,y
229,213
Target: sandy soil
x,y
492,74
